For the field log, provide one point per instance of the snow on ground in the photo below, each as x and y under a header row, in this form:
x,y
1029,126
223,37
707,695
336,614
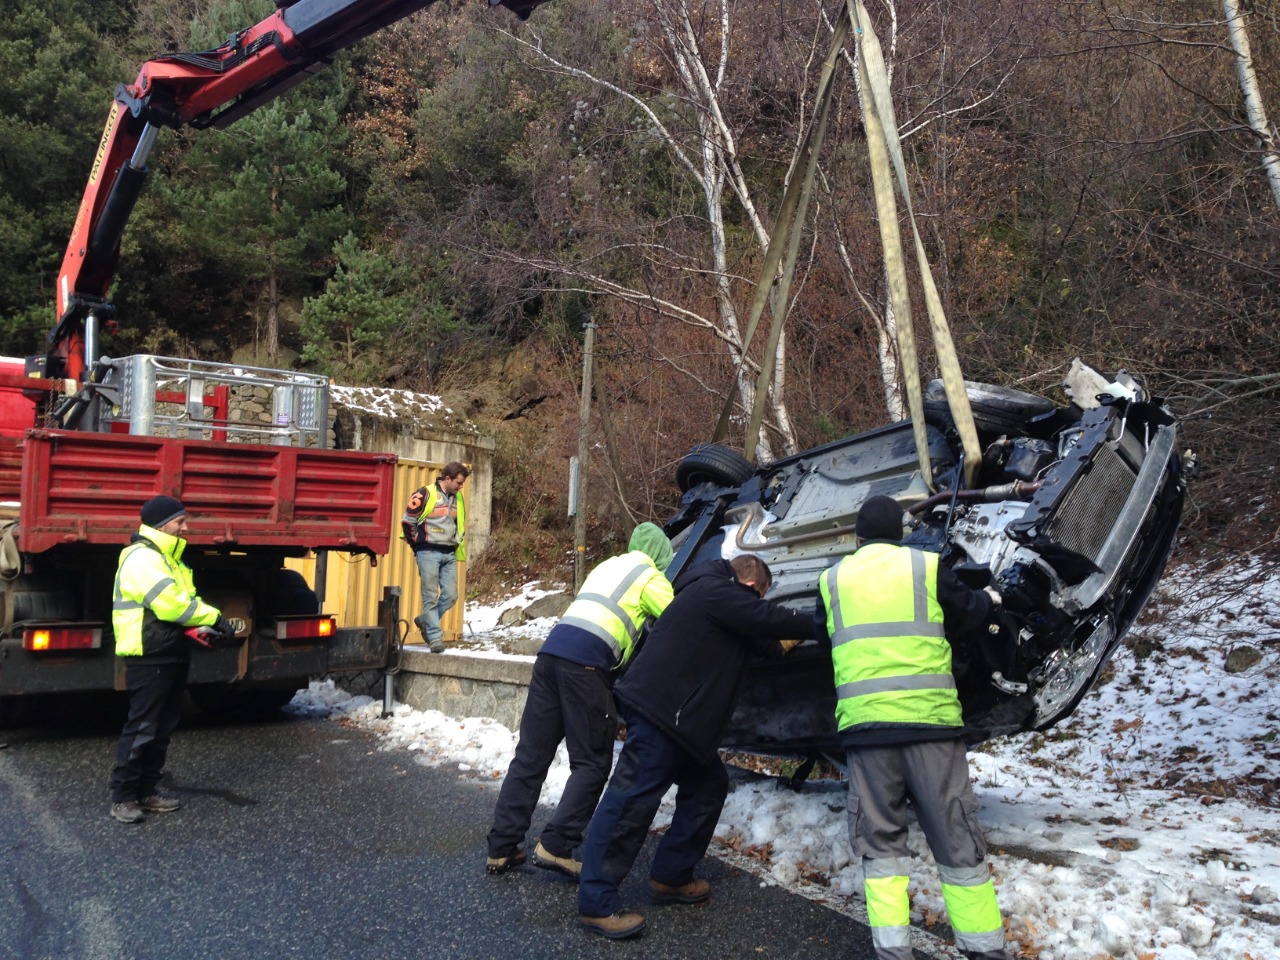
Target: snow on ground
x,y
1144,828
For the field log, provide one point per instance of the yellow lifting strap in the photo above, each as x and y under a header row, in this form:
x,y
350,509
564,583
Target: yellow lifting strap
x,y
885,150
795,203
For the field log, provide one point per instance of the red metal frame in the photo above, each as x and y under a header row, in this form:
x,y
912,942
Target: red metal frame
x,y
88,488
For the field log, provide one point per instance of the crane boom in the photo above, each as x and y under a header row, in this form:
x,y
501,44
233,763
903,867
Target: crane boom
x,y
212,88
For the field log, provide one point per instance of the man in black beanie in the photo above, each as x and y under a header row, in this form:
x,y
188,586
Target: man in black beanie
x,y
153,605
884,607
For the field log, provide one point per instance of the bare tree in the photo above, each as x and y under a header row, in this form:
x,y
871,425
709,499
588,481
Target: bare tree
x,y
694,125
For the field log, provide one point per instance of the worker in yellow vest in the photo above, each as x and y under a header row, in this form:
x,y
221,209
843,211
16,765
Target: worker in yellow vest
x,y
570,698
435,526
899,716
154,606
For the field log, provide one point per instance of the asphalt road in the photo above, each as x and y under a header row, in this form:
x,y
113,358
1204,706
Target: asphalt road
x,y
300,838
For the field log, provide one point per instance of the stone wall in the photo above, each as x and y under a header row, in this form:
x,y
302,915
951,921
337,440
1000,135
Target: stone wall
x,y
462,686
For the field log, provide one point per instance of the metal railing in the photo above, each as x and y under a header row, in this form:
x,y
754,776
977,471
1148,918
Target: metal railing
x,y
198,400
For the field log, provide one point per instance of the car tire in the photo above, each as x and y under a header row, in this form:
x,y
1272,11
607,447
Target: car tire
x,y
996,410
711,463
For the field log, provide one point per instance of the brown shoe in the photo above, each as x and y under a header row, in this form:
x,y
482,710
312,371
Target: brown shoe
x,y
502,864
159,803
544,858
618,926
695,891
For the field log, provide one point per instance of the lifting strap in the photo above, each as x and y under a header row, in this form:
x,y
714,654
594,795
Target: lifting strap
x,y
885,150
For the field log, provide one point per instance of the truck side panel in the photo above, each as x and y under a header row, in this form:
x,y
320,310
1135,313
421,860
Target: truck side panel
x,y
88,487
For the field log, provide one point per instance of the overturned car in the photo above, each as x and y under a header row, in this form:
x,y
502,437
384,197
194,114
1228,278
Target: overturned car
x,y
1072,519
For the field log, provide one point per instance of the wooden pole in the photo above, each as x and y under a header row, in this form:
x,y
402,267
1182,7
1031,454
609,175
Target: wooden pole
x,y
584,426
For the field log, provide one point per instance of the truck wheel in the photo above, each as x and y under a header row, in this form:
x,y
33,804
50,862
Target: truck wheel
x,y
290,594
711,463
222,701
996,410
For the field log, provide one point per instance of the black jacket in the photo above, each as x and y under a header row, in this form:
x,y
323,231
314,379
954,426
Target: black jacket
x,y
686,678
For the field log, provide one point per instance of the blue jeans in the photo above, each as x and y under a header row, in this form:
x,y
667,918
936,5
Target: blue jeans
x,y
438,570
649,764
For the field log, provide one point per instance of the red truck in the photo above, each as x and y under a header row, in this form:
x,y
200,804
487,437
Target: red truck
x,y
86,439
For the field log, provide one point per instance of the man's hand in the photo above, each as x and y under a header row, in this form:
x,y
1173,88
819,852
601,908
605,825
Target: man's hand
x,y
224,628
789,645
996,599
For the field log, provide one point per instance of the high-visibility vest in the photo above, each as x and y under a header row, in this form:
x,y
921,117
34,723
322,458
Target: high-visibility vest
x,y
889,651
611,604
151,576
410,520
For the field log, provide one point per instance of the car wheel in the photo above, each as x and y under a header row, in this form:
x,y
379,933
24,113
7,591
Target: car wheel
x,y
995,409
711,463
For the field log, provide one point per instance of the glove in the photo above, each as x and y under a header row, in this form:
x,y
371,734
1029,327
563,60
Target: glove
x,y
225,628
996,599
204,637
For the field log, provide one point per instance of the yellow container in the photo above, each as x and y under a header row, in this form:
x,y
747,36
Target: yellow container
x,y
353,586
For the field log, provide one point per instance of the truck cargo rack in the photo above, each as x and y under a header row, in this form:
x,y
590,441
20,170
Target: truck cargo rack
x,y
198,400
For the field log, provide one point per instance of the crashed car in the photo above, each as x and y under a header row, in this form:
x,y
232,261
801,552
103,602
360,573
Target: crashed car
x,y
1072,519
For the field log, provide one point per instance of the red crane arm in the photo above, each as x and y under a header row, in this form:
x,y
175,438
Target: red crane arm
x,y
212,88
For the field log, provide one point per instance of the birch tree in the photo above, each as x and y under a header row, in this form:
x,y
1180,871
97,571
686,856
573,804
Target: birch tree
x,y
691,123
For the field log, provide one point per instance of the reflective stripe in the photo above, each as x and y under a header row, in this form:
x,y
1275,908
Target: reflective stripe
x,y
612,602
980,943
596,630
924,681
126,605
876,631
964,876
920,586
886,938
190,611
832,582
886,867
158,589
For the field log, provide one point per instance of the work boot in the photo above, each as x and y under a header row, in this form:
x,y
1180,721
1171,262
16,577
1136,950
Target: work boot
x,y
544,858
617,926
127,811
505,862
159,803
436,645
695,891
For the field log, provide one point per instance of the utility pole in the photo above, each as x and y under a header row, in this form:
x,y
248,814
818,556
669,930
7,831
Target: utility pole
x,y
584,425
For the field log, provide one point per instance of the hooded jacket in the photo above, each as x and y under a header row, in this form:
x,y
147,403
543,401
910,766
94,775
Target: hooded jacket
x,y
155,599
686,678
618,598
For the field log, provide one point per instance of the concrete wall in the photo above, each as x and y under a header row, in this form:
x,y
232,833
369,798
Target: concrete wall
x,y
462,686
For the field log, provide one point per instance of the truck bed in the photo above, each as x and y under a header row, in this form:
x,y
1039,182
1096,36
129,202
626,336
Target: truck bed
x,y
78,487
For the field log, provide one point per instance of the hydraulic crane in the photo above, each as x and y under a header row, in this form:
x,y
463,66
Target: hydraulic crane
x,y
212,88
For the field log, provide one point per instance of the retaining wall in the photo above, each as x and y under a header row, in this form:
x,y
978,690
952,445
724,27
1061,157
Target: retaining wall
x,y
464,686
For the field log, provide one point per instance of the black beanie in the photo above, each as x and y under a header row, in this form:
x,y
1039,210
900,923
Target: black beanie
x,y
158,511
880,518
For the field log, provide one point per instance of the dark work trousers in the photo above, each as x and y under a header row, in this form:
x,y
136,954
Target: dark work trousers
x,y
570,702
650,763
155,704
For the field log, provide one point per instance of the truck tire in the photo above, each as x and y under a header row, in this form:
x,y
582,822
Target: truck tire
x,y
996,410
711,463
290,594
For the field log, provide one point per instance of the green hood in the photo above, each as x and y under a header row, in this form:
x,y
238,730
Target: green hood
x,y
649,538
